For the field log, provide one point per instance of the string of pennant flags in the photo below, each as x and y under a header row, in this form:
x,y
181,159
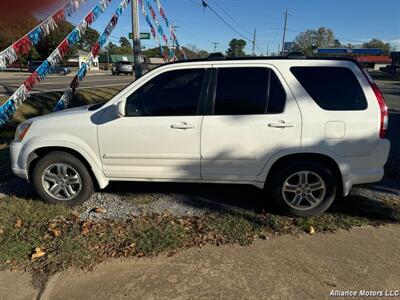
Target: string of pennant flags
x,y
8,109
160,29
24,44
161,11
67,96
164,54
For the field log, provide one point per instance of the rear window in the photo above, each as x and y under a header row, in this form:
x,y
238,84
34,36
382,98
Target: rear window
x,y
248,91
332,88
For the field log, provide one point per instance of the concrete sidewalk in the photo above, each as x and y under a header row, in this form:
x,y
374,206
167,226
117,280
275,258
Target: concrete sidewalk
x,y
288,267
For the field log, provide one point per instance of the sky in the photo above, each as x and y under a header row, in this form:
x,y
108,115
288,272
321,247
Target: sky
x,y
353,21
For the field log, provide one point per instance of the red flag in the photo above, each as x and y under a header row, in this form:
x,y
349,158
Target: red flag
x,y
114,20
23,46
74,84
96,49
90,18
31,81
153,13
63,48
162,13
59,16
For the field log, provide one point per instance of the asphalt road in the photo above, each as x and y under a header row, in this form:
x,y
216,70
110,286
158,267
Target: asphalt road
x,y
9,82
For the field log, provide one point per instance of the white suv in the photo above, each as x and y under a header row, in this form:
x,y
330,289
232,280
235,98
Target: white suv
x,y
306,130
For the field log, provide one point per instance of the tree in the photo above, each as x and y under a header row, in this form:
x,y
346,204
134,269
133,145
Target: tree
x,y
48,44
14,28
236,48
192,51
376,43
88,40
124,42
311,39
111,47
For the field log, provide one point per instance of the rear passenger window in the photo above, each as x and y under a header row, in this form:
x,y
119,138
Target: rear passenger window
x,y
332,88
248,91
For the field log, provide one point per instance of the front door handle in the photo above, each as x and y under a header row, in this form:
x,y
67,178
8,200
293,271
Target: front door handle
x,y
281,124
183,125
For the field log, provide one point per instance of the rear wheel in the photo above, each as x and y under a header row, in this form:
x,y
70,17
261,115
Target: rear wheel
x,y
60,177
303,189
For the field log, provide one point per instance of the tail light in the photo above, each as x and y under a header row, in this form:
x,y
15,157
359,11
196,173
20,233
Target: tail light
x,y
382,105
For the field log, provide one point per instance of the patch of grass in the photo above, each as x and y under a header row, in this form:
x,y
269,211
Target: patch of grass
x,y
154,238
232,229
23,223
71,242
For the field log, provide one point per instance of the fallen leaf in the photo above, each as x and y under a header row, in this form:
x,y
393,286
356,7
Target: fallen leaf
x,y
85,229
37,253
55,232
311,230
53,225
98,210
1,231
18,224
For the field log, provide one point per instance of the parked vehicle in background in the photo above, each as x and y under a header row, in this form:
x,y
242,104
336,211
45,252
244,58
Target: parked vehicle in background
x,y
304,130
54,70
122,67
388,69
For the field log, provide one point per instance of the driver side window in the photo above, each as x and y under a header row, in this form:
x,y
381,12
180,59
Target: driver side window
x,y
173,93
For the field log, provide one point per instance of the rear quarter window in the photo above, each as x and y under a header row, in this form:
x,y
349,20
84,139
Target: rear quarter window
x,y
332,88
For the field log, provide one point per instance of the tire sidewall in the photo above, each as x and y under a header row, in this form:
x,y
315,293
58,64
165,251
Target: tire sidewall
x,y
281,175
62,157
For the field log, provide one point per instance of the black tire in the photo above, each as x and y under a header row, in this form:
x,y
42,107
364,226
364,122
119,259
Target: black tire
x,y
86,190
279,177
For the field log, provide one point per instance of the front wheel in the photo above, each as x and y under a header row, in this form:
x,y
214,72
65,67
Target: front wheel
x,y
304,189
60,177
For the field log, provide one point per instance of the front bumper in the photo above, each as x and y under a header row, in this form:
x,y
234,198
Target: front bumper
x,y
18,165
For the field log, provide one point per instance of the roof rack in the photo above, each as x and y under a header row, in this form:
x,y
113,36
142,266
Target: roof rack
x,y
247,58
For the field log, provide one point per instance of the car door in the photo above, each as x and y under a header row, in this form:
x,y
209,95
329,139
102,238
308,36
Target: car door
x,y
159,137
253,116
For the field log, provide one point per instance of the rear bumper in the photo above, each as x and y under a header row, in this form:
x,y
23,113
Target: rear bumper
x,y
359,170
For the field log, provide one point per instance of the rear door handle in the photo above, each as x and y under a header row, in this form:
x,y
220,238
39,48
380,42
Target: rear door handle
x,y
183,125
281,124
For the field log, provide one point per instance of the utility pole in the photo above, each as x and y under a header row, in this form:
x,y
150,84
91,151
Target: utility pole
x,y
267,49
137,49
215,46
173,41
254,42
108,59
284,32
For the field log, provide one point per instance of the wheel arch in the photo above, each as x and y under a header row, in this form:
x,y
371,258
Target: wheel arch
x,y
307,156
98,178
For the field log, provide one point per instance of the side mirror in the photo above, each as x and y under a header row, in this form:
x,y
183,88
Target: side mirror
x,y
120,109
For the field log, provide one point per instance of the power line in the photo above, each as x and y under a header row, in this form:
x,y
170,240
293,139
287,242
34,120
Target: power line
x,y
206,5
230,16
